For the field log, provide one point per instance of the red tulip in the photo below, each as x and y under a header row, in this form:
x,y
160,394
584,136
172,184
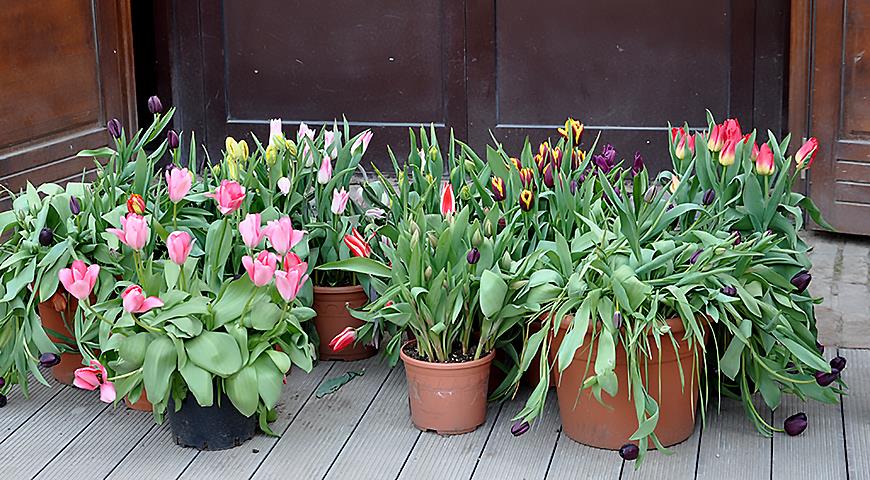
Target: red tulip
x,y
731,130
357,244
135,204
764,164
343,339
807,153
726,157
448,202
716,139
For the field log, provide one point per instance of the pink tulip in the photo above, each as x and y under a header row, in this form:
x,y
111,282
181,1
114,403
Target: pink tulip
x,y
325,172
229,196
284,185
93,377
281,234
134,231
79,279
330,146
339,201
289,282
261,269
448,203
178,181
136,302
275,132
179,243
764,164
807,153
362,141
291,260
304,131
716,140
250,230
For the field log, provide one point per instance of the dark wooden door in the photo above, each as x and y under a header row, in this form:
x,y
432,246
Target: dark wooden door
x,y
65,70
839,180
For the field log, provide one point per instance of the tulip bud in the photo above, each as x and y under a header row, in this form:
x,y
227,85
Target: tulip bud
x,y
729,290
505,262
549,181
46,237
825,379
520,428
629,452
617,320
737,237
709,196
172,139
795,424
637,166
74,207
574,186
498,189
582,177
433,153
650,194
526,200
433,240
838,363
427,274
476,238
516,163
49,359
728,154
801,280
473,256
154,105
114,127
820,348
135,204
527,176
3,401
694,258
502,223
577,157
487,228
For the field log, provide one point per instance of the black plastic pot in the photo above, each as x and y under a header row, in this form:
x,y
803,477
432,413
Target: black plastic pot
x,y
210,428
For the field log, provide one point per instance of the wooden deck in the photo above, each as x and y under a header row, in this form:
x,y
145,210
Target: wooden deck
x,y
363,432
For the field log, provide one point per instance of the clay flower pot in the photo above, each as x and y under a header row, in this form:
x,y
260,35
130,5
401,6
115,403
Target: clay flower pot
x,y
52,313
449,398
142,405
587,421
331,304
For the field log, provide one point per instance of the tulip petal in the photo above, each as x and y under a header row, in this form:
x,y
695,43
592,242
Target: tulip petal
x,y
107,392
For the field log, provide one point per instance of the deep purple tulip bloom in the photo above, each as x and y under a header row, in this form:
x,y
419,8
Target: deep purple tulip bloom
x,y
574,186
795,424
520,428
629,452
838,363
172,139
801,280
729,290
549,181
825,379
46,237
582,177
709,196
114,127
74,206
49,359
694,258
473,256
637,166
154,104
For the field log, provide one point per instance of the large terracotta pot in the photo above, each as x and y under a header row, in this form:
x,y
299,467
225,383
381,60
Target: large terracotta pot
x,y
449,398
52,313
142,405
587,421
331,304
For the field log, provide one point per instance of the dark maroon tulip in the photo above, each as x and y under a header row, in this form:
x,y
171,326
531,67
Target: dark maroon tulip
x,y
574,186
795,424
801,280
46,237
549,181
501,224
74,206
49,359
791,368
729,290
709,196
637,166
629,452
694,258
617,320
825,379
154,104
114,127
520,428
838,363
2,401
473,255
172,139
737,237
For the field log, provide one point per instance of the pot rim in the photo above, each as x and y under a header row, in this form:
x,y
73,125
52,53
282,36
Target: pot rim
x,y
338,290
443,366
676,324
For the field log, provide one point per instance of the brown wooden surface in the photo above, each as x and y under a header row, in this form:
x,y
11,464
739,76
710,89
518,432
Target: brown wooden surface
x,y
65,69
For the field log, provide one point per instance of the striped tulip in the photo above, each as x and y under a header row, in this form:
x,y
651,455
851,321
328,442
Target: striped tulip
x,y
516,163
498,190
135,204
343,339
527,176
807,153
448,202
764,164
526,200
573,129
357,244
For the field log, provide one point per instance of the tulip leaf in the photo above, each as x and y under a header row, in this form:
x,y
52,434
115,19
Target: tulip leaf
x,y
365,266
216,352
812,360
133,348
492,293
243,390
270,380
605,361
160,363
199,382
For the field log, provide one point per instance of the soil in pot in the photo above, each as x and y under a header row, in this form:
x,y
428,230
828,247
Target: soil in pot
x,y
52,312
448,398
331,304
210,428
609,426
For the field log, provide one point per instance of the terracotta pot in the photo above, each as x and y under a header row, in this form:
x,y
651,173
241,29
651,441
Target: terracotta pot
x,y
52,313
449,398
587,421
331,304
533,375
142,405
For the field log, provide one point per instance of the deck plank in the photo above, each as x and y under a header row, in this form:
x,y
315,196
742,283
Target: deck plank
x,y
24,453
856,412
680,462
155,457
243,461
19,409
319,432
379,445
730,445
527,456
573,460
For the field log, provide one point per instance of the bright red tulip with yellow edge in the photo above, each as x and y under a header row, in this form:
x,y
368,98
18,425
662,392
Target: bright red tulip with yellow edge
x,y
764,164
807,153
135,204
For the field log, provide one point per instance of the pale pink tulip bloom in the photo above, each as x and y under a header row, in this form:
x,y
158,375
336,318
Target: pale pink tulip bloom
x,y
284,185
330,146
93,377
178,181
281,234
79,279
134,231
290,282
134,300
179,243
362,141
325,172
275,132
261,269
229,196
339,201
250,230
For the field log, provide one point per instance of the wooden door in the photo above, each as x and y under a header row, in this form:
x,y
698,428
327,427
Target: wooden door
x,y
839,180
65,70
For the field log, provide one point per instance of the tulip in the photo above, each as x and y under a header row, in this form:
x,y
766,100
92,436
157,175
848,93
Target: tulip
x,y
343,339
629,452
691,143
275,133
676,133
229,196
527,176
557,157
502,223
289,283
547,173
680,148
764,164
172,140
74,206
376,213
709,197
617,320
179,244
362,141
330,146
675,183
93,377
49,359
134,231
838,363
516,163
284,185
795,424
325,172
46,237
79,279
304,131
134,300
114,128
694,258
357,244
637,166
135,204
178,182
526,200
498,190
281,234
731,130
738,239
262,268
825,379
801,280
448,203
520,428
339,201
250,230
155,106
807,153
729,290
291,260
574,186
473,256
650,194
726,157
577,158
716,139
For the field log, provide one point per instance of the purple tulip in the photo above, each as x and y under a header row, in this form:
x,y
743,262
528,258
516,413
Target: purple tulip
x,y
709,196
520,428
737,237
820,348
473,256
617,320
46,237
172,139
838,363
549,181
609,154
729,290
2,401
114,127
694,258
501,224
574,186
49,359
74,207
795,424
637,166
629,452
825,379
155,106
801,280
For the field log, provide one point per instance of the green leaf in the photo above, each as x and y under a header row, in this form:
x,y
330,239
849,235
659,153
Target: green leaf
x,y
200,383
160,363
365,266
813,360
133,348
243,390
280,359
269,381
492,293
216,352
